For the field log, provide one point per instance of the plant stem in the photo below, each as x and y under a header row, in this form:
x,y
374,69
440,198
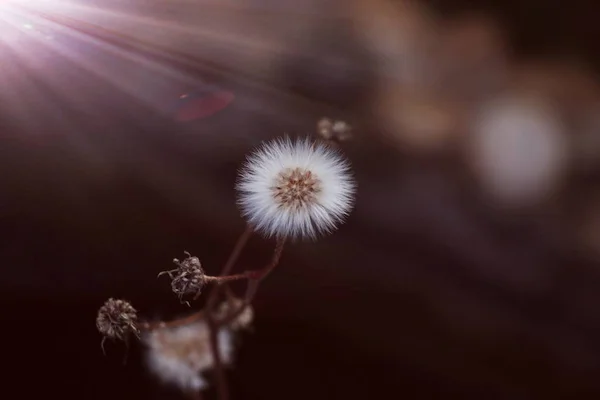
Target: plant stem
x,y
228,266
254,279
262,274
233,257
221,379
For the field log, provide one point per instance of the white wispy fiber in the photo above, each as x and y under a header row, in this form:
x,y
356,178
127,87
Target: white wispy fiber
x,y
178,356
296,189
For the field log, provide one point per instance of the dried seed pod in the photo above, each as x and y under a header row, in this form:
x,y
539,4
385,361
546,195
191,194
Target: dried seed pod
x,y
116,319
325,128
342,130
334,130
187,278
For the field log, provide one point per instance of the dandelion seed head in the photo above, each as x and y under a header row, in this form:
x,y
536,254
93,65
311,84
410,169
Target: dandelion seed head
x,y
295,189
178,356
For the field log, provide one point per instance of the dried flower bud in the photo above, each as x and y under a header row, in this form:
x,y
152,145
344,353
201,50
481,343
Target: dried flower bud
x,y
325,128
342,130
116,320
334,130
187,278
232,306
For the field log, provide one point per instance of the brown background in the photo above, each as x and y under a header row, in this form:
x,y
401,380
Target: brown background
x,y
422,294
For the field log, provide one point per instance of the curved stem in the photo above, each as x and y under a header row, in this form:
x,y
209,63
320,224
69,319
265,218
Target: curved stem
x,y
226,278
254,279
220,378
233,257
262,274
251,290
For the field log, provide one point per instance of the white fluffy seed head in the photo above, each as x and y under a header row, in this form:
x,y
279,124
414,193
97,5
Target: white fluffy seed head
x,y
296,189
178,356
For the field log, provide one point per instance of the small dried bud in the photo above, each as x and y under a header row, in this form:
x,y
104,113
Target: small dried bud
x,y
325,128
342,130
232,306
187,278
334,130
117,320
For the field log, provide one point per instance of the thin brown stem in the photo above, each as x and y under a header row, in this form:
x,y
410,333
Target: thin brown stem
x,y
263,273
251,290
226,278
254,280
233,257
220,377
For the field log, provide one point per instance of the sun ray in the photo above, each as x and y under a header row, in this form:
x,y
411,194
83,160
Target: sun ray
x,y
139,49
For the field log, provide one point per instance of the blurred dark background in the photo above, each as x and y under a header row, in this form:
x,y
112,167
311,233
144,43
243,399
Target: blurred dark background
x,y
465,270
